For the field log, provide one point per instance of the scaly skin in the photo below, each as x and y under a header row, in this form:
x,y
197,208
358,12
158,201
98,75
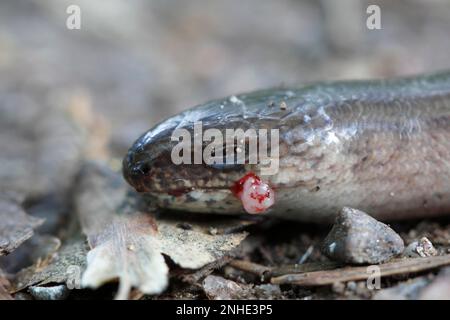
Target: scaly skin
x,y
381,146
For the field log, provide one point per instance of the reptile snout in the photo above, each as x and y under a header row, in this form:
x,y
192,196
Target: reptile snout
x,y
134,170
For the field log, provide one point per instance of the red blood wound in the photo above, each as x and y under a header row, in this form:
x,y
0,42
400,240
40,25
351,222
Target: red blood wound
x,y
256,196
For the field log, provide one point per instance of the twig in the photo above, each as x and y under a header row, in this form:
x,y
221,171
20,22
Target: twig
x,y
320,278
266,272
251,267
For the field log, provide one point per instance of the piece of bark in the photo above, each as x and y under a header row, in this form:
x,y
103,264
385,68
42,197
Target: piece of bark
x,y
403,266
15,225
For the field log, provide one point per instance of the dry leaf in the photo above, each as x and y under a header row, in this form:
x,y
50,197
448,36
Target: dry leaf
x,y
64,266
405,290
35,250
194,248
15,225
127,244
126,249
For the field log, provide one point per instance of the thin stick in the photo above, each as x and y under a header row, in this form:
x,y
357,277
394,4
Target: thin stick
x,y
320,278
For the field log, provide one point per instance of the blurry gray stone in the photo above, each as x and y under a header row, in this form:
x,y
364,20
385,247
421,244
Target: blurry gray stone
x,y
439,288
59,292
358,238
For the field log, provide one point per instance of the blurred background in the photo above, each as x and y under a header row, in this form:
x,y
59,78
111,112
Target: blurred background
x,y
136,62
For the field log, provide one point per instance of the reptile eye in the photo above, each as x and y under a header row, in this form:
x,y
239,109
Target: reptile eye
x,y
142,168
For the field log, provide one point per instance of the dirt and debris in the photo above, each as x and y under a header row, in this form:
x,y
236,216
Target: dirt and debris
x,y
358,238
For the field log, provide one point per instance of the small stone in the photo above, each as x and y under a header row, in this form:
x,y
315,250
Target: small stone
x,y
218,288
267,291
358,238
58,292
338,287
351,285
421,248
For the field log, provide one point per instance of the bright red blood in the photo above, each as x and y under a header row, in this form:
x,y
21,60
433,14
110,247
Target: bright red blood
x,y
256,196
238,186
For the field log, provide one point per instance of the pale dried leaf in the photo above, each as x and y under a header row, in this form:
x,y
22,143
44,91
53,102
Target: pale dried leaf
x,y
123,243
127,250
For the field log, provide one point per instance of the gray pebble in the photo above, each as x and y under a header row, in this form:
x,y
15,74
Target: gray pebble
x,y
358,238
58,292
